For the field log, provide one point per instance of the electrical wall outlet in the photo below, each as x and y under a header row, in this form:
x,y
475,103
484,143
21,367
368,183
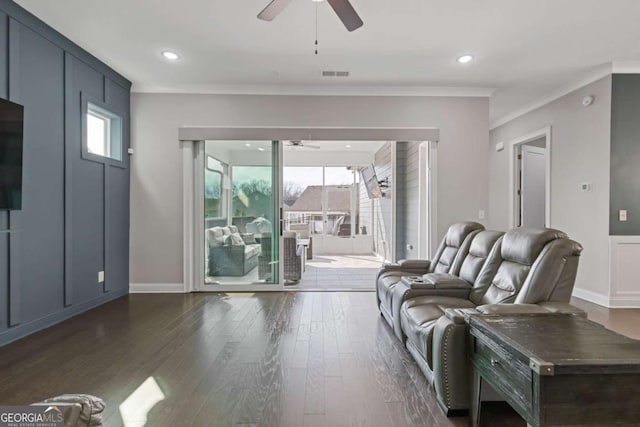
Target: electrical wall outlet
x,y
409,247
100,276
623,215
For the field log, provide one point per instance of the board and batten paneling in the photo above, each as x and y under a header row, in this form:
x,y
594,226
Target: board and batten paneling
x,y
4,216
36,80
74,220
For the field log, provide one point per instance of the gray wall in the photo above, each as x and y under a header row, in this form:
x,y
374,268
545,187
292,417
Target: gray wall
x,y
156,187
579,153
625,154
75,213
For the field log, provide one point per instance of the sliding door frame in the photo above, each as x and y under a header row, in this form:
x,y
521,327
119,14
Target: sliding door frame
x,y
194,224
191,137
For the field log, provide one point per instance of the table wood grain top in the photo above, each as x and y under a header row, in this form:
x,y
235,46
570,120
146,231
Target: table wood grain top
x,y
571,343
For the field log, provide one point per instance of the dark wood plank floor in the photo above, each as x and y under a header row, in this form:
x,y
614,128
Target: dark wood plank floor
x,y
266,359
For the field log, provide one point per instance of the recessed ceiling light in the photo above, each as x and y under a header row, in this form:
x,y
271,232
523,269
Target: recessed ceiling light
x,y
465,59
261,149
317,1
172,56
247,145
348,146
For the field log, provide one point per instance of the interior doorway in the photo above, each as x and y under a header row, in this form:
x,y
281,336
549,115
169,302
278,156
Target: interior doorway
x,y
530,182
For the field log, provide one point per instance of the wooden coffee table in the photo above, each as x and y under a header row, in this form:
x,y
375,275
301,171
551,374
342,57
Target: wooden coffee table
x,y
556,369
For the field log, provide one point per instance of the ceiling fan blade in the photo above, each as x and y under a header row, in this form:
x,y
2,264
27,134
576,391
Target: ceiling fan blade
x,y
273,9
346,13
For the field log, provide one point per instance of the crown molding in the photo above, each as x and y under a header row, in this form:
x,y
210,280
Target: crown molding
x,y
625,67
476,92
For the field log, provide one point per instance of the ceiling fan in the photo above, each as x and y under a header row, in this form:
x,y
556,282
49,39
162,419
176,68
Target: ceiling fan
x,y
342,8
300,144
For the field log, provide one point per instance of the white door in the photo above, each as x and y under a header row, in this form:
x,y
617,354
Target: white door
x,y
532,186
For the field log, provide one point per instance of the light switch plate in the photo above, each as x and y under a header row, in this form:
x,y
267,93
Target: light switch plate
x,y
500,146
100,276
481,214
623,215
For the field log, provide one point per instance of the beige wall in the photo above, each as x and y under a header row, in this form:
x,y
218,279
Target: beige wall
x,y
156,179
580,150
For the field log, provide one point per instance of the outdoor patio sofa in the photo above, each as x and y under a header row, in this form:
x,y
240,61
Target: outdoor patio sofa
x,y
229,253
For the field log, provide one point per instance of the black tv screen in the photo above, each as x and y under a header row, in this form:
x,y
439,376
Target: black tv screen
x,y
11,128
371,183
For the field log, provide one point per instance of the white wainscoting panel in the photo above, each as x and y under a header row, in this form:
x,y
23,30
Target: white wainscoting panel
x,y
624,271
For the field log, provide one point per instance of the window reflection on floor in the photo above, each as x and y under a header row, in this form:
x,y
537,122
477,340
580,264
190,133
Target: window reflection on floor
x,y
135,409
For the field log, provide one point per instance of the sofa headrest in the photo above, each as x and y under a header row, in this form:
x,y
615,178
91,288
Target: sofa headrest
x,y
523,245
459,231
483,242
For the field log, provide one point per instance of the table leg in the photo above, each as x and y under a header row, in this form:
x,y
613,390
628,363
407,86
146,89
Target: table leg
x,y
476,395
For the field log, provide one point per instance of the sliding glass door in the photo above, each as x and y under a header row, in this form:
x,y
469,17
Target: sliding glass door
x,y
239,200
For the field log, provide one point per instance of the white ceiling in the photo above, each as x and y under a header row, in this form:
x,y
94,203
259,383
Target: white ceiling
x,y
523,48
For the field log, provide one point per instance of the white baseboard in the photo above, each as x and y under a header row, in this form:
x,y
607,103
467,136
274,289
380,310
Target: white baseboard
x,y
591,296
624,302
156,288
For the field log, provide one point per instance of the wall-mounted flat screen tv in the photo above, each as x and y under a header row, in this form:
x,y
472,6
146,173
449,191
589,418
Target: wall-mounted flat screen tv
x,y
11,132
371,182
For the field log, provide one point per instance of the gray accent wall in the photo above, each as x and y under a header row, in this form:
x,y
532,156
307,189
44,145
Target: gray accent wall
x,y
74,220
580,152
625,155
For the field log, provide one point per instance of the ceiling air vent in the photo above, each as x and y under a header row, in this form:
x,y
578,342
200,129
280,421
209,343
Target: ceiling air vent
x,y
335,74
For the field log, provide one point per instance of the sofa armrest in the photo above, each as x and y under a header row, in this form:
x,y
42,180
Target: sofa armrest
x,y
417,265
450,363
459,316
436,281
543,307
511,309
563,308
402,292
